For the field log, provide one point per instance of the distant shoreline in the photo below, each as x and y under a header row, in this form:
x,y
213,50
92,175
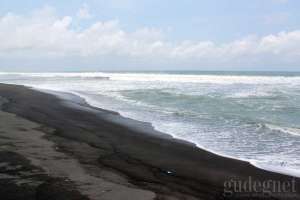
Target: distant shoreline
x,y
149,161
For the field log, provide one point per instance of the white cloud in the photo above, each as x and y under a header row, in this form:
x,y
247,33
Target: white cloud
x,y
43,35
84,12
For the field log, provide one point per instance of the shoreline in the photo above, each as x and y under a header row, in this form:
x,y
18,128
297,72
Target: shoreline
x,y
155,162
85,100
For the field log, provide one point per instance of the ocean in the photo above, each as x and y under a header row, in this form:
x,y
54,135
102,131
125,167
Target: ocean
x,y
252,116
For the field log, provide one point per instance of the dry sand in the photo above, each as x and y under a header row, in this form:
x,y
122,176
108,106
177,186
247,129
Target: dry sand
x,y
25,138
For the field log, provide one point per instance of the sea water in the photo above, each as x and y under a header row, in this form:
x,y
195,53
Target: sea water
x,y
253,116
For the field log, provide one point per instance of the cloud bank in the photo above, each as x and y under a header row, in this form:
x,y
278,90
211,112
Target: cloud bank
x,y
43,35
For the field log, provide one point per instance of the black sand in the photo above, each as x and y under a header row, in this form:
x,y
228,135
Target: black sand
x,y
147,159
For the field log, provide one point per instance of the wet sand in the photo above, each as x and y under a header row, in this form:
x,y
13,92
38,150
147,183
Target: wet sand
x,y
64,142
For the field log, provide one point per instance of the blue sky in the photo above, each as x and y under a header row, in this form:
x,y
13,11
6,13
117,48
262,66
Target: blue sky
x,y
151,34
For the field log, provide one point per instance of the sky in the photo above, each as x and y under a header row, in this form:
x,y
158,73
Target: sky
x,y
98,35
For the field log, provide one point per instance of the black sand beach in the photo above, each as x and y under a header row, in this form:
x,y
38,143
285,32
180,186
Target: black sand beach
x,y
62,148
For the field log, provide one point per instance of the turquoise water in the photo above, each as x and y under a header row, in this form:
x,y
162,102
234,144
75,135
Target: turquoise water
x,y
253,116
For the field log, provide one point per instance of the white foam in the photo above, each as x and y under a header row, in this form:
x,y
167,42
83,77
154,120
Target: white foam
x,y
216,79
292,131
247,94
182,78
